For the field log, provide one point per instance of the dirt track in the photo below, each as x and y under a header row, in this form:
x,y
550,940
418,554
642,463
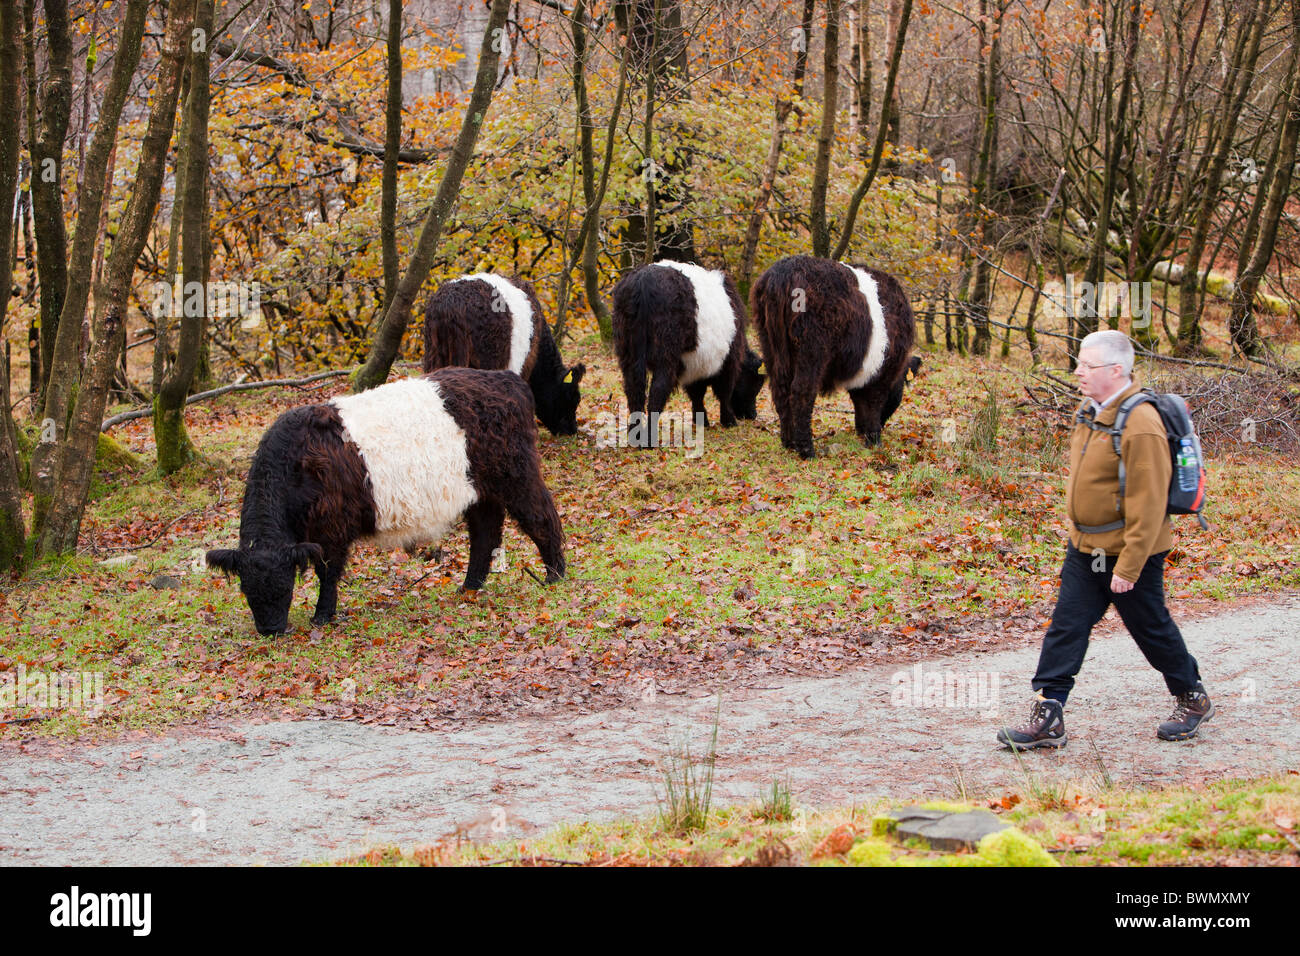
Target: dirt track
x,y
282,793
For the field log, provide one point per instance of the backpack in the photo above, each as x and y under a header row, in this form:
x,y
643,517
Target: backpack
x,y
1187,480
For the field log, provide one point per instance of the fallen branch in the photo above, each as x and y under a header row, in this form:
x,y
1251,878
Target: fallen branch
x,y
213,393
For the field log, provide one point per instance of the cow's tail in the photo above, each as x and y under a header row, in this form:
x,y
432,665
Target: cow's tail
x,y
769,308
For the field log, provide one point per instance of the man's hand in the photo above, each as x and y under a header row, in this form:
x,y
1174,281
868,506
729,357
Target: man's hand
x,y
1119,585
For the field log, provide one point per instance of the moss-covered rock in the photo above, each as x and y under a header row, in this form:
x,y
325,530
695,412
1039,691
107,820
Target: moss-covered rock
x,y
1008,847
946,806
870,852
1012,848
112,455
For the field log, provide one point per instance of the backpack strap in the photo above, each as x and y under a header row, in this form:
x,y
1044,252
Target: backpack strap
x,y
1121,419
1115,431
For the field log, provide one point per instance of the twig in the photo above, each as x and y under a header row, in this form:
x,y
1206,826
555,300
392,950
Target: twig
x,y
221,497
534,859
213,393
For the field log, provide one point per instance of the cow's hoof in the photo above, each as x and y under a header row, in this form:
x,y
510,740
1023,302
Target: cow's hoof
x,y
472,586
319,618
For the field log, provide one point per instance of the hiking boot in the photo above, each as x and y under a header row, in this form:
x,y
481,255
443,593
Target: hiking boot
x,y
1046,727
1193,708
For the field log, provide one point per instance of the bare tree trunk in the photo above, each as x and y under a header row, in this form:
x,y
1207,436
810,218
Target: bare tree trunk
x,y
586,162
894,115
55,110
818,223
783,107
1163,174
895,57
860,71
590,270
12,527
174,276
587,241
388,340
1115,130
1239,77
653,33
76,457
173,442
981,292
1241,322
651,173
65,368
392,143
34,363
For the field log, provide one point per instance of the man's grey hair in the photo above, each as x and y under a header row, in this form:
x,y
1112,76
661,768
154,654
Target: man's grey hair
x,y
1113,346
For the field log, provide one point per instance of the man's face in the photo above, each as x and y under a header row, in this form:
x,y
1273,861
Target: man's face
x,y
1097,380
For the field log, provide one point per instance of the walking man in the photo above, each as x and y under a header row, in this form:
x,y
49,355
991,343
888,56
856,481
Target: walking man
x,y
1116,552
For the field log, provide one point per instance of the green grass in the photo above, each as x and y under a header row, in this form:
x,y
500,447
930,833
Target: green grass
x,y
1240,822
672,561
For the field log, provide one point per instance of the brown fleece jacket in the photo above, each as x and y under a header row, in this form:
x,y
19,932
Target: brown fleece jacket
x,y
1092,490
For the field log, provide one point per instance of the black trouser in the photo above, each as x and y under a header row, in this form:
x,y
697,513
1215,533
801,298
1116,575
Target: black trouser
x,y
1084,597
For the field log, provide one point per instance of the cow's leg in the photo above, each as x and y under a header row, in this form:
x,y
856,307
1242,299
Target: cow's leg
x,y
697,390
484,519
329,571
724,383
665,380
802,397
533,509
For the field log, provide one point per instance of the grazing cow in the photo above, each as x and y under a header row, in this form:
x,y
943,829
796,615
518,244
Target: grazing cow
x,y
396,465
490,321
686,325
824,325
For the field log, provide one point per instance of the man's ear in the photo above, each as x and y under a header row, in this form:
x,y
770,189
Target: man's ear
x,y
227,560
305,554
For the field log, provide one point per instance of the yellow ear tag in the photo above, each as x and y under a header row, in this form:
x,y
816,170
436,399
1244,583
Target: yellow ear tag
x,y
568,379
910,375
762,368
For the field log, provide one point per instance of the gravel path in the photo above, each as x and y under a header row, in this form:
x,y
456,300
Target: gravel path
x,y
282,793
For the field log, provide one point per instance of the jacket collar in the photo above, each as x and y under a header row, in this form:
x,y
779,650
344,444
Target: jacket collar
x,y
1107,415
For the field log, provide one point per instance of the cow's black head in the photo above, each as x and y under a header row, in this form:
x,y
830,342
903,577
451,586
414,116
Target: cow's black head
x,y
266,576
744,397
557,406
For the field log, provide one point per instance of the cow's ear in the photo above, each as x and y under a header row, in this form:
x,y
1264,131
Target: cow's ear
x,y
226,560
305,554
575,374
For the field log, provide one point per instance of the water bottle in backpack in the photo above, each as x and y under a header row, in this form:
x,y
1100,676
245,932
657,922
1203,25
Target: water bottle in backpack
x,y
1187,474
